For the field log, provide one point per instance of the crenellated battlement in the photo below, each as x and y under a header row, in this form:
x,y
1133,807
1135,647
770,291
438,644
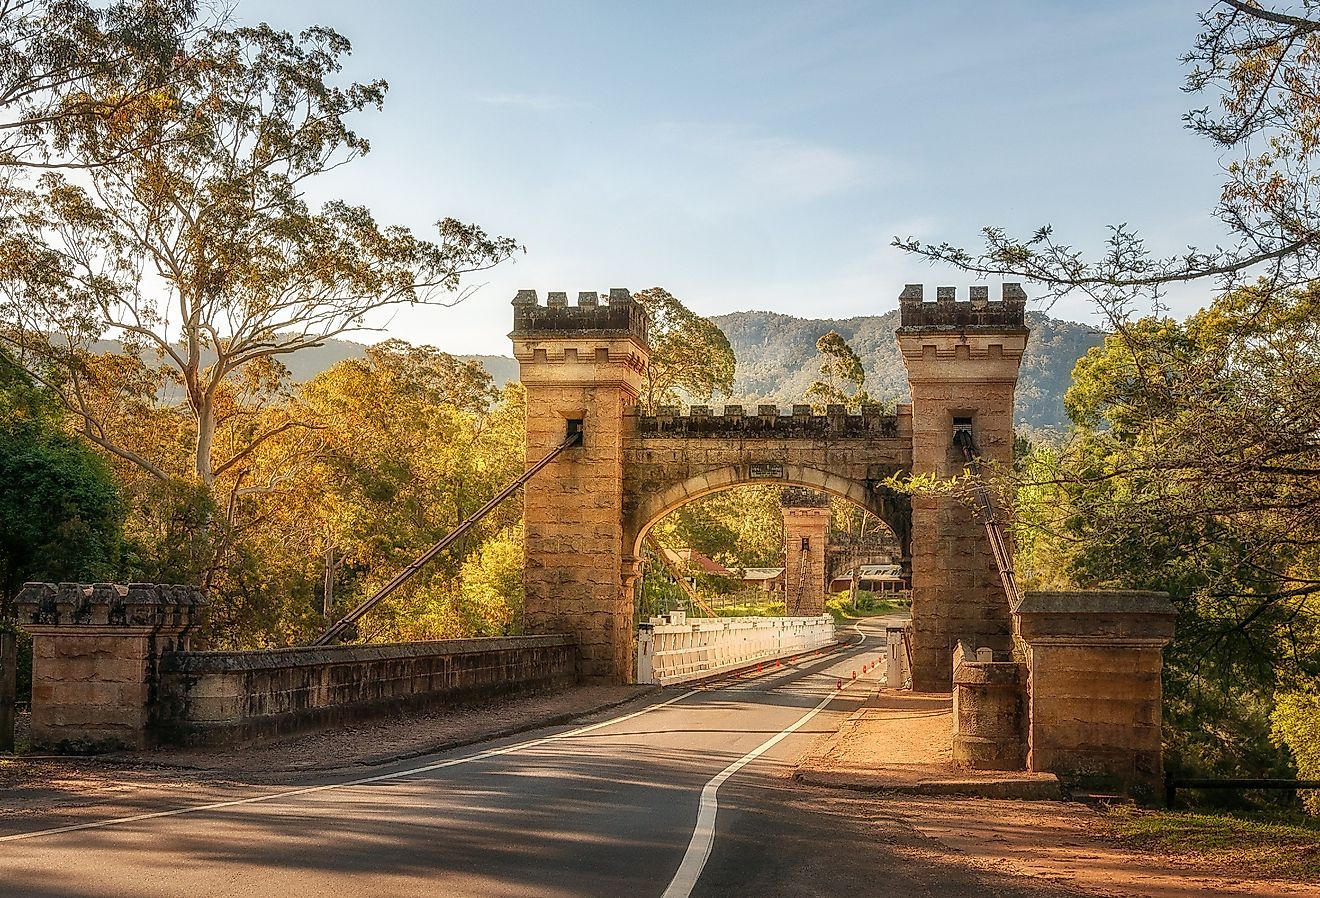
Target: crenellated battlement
x,y
111,604
978,312
619,314
770,421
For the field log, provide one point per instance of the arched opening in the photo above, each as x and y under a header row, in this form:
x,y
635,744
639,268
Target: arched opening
x,y
728,544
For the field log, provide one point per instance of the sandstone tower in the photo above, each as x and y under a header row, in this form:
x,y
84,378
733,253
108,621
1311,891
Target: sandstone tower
x,y
806,538
962,360
582,367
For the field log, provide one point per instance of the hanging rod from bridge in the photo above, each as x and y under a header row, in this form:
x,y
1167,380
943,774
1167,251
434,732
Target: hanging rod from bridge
x,y
336,629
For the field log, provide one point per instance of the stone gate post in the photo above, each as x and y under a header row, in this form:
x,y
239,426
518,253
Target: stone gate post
x,y
1094,659
962,360
582,367
95,650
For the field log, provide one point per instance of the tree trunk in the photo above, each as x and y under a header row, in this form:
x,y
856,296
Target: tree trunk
x,y
205,442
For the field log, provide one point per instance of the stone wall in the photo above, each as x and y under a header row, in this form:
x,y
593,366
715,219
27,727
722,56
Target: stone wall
x,y
962,360
95,654
232,698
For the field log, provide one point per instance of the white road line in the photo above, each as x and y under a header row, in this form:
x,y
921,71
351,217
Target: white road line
x,y
703,835
379,778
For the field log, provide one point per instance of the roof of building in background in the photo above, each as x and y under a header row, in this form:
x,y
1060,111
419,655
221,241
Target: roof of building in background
x,y
761,573
691,559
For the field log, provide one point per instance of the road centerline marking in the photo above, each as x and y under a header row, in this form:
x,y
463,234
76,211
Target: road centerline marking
x,y
703,833
363,781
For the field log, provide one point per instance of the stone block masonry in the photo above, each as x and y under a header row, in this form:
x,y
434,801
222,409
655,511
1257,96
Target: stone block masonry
x,y
111,670
582,367
96,650
962,360
1094,699
236,698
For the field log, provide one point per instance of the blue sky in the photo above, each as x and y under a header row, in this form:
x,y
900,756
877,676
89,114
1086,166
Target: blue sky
x,y
762,155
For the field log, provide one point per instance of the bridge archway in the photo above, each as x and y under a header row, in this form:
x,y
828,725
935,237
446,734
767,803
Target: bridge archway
x,y
887,507
583,368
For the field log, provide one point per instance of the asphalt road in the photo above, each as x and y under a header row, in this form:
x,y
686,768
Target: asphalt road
x,y
606,809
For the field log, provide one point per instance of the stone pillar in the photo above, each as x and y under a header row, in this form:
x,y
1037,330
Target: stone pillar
x,y
1094,661
806,537
582,366
962,360
95,650
989,710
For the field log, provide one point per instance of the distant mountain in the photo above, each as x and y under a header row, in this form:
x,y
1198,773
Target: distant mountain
x,y
307,363
777,359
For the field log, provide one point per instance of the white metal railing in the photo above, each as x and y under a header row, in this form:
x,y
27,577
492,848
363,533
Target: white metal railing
x,y
672,649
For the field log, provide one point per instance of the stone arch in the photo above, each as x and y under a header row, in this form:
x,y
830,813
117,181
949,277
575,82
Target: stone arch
x,y
674,496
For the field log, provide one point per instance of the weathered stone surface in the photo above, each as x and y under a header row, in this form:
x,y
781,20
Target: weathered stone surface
x,y
1095,659
95,650
592,508
806,532
989,711
962,360
234,698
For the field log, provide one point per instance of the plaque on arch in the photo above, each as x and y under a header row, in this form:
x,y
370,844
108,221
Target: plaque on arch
x,y
766,470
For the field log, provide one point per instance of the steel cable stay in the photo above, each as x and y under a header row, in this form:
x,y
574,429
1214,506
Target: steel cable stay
x,y
993,530
337,629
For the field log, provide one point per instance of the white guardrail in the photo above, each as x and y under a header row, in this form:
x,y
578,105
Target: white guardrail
x,y
672,649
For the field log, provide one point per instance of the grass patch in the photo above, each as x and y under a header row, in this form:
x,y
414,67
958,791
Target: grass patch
x,y
868,605
1278,844
752,609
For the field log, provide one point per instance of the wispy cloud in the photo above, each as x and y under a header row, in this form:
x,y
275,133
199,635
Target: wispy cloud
x,y
535,102
784,168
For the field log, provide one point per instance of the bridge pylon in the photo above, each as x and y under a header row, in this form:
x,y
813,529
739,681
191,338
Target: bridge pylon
x,y
962,360
582,366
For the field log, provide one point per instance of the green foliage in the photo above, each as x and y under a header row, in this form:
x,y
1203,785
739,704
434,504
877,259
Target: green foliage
x,y
492,587
690,356
841,369
869,604
23,641
1194,469
1296,720
752,608
61,516
1273,844
203,182
740,528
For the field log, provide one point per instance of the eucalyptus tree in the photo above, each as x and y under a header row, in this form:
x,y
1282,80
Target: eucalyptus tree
x,y
188,234
690,355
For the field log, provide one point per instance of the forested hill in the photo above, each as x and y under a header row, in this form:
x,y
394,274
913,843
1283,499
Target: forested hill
x,y
777,359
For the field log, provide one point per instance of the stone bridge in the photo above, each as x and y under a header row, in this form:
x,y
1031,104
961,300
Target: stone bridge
x,y
583,366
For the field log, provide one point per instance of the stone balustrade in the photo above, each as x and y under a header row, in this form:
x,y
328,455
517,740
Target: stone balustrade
x,y
236,698
111,670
